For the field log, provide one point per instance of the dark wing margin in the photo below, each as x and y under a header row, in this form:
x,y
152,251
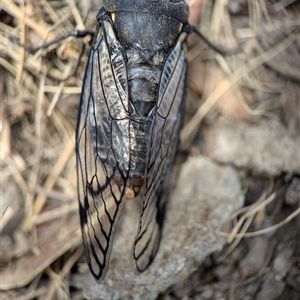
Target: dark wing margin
x,y
163,143
103,114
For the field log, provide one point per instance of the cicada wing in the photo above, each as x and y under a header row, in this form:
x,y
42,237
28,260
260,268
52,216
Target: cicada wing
x,y
101,141
161,152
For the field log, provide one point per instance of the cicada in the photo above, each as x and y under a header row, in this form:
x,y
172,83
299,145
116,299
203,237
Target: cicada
x,y
129,120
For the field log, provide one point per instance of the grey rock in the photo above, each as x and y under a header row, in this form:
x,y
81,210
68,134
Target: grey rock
x,y
271,288
282,262
256,257
205,196
12,206
265,147
292,196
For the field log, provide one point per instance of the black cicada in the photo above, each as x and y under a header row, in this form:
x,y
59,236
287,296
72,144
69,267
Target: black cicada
x,y
129,120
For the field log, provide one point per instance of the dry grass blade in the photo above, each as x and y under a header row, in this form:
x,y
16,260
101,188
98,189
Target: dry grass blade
x,y
65,90
58,92
16,172
42,29
49,183
45,145
190,129
250,213
76,14
65,270
237,238
266,230
56,213
33,294
18,13
246,219
6,215
30,266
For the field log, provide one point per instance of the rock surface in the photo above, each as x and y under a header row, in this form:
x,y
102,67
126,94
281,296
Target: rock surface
x,y
205,196
266,146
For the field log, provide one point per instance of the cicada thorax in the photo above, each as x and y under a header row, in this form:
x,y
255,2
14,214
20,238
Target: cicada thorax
x,y
146,38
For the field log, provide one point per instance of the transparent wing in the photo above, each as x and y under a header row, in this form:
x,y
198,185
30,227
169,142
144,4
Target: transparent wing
x,y
101,141
161,153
